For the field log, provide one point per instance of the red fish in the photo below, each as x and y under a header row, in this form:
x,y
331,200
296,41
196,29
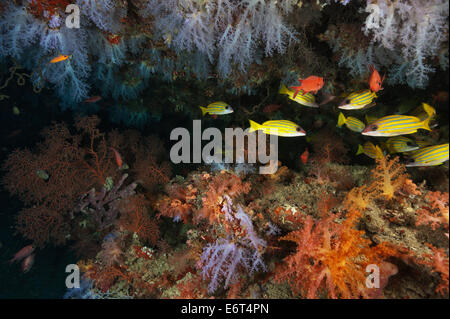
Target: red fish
x,y
310,84
375,81
304,156
117,157
24,252
271,108
93,99
27,263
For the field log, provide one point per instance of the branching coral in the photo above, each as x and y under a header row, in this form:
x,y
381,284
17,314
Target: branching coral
x,y
417,28
228,29
52,178
223,260
179,203
60,176
331,256
103,207
213,201
135,218
436,213
388,177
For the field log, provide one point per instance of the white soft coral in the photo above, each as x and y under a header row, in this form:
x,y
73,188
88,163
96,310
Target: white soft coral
x,y
415,28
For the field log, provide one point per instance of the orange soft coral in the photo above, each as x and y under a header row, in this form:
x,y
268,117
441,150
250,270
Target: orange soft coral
x,y
388,177
332,256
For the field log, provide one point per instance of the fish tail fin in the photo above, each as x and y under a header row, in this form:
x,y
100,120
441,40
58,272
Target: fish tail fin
x,y
378,152
341,119
254,126
429,109
426,124
360,149
283,89
204,110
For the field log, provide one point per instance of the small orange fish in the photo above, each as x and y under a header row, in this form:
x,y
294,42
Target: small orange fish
x,y
60,58
27,263
93,99
117,157
375,81
24,252
304,156
310,84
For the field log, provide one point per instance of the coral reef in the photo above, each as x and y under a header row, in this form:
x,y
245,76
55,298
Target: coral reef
x,y
326,224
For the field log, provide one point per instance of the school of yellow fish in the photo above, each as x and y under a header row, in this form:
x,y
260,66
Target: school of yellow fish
x,y
393,126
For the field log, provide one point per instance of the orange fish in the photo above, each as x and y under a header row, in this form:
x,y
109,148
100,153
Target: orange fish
x,y
118,157
304,156
60,58
93,99
24,252
27,263
310,84
375,80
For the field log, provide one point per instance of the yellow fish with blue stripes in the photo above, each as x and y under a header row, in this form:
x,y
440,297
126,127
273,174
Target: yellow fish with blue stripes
x,y
307,99
369,149
278,127
394,125
400,144
352,123
358,100
429,156
217,108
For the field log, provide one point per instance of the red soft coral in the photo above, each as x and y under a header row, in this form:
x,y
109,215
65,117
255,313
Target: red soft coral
x,y
436,213
218,186
179,202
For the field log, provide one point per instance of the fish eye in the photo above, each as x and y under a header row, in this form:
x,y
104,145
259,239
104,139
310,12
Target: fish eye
x,y
373,127
409,144
298,129
227,107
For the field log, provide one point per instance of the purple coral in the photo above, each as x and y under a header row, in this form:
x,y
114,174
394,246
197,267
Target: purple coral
x,y
223,260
